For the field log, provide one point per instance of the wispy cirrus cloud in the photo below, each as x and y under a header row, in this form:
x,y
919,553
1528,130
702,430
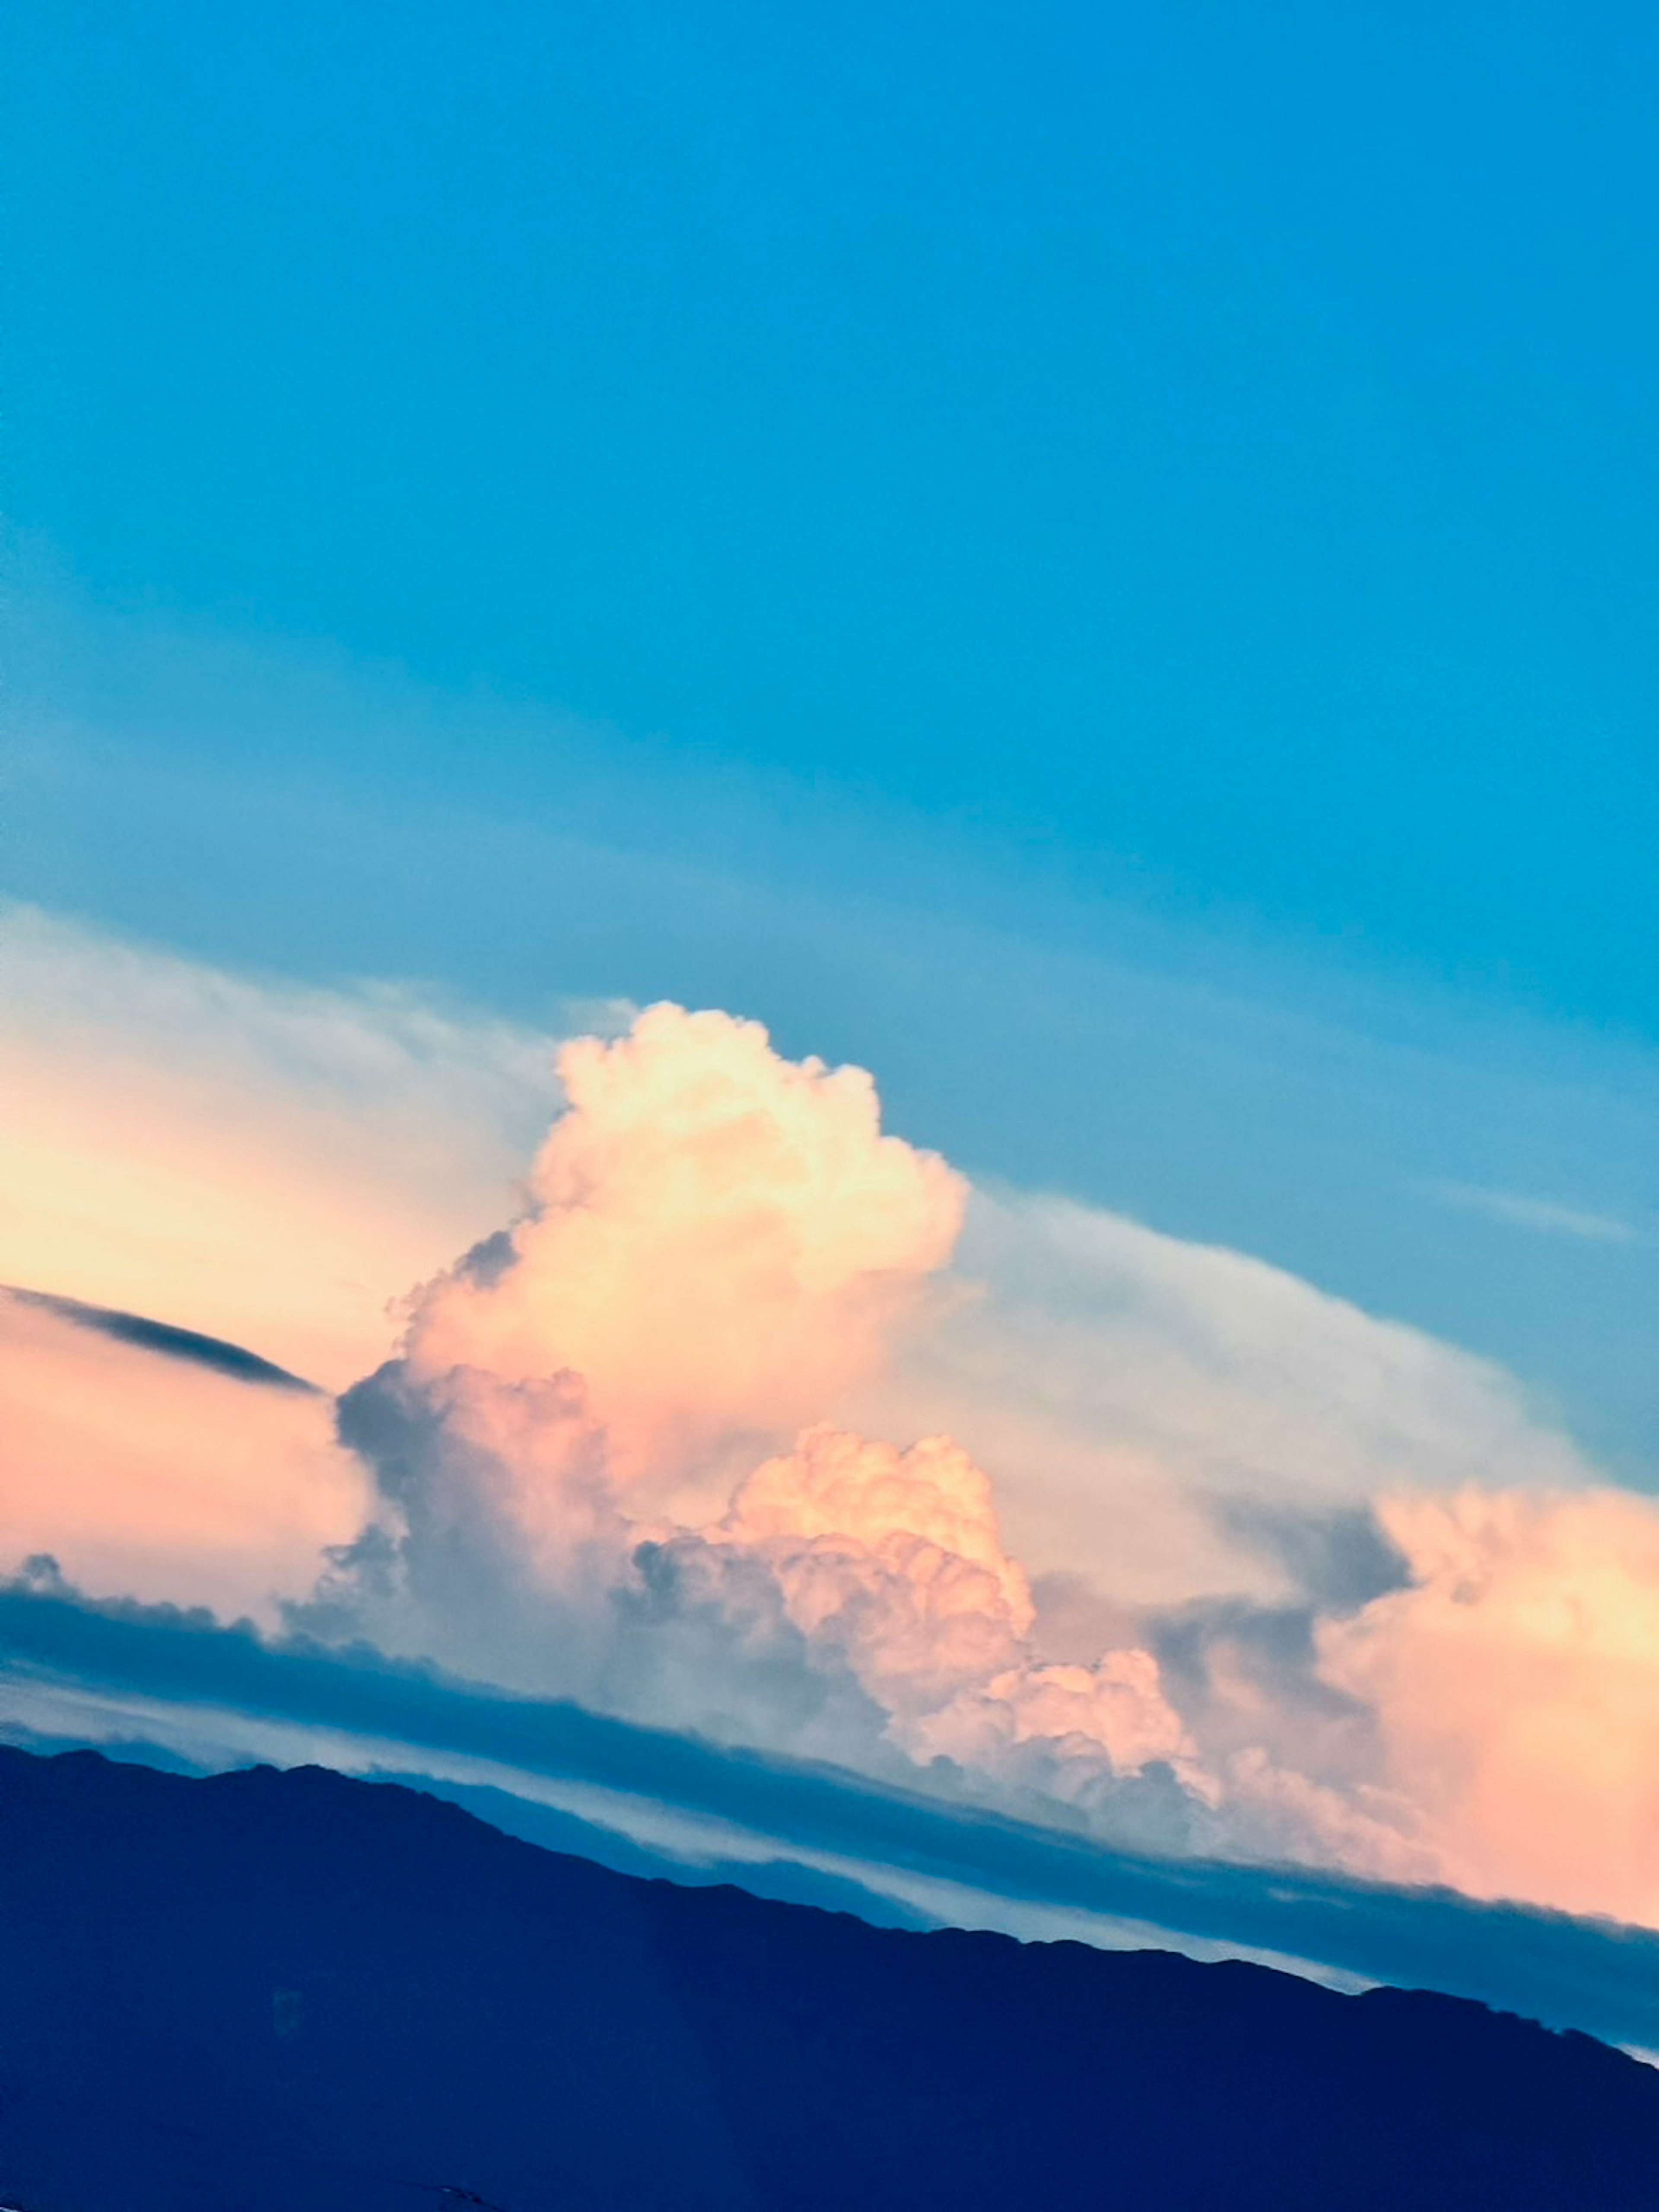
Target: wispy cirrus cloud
x,y
1550,1217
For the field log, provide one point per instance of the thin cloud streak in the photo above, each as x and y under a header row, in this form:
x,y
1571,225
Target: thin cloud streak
x,y
1548,1216
172,1343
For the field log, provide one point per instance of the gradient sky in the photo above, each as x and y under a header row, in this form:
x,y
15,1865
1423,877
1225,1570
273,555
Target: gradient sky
x,y
1098,563
1128,534
1218,447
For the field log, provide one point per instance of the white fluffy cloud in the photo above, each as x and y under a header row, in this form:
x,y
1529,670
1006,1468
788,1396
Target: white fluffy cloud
x,y
894,1559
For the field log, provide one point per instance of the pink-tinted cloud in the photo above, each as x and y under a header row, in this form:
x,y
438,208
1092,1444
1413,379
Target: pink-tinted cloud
x,y
837,1485
1515,1687
895,1561
632,1448
718,1241
157,1478
265,1162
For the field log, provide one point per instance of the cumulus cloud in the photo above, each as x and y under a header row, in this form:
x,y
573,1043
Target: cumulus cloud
x,y
895,1559
742,1414
717,1240
1515,1682
1470,1696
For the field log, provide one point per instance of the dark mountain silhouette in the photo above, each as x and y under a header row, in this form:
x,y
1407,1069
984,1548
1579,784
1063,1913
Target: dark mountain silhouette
x,y
288,1990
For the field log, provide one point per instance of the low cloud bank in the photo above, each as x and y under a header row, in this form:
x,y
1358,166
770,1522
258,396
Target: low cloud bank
x,y
84,1673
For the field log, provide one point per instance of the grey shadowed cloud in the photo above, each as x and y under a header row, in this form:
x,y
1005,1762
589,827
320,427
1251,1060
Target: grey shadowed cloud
x,y
1594,1976
164,1337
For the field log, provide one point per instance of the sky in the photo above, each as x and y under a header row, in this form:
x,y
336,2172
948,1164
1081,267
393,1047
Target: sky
x,y
1216,446
1096,565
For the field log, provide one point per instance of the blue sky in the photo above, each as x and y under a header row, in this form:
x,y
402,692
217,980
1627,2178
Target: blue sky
x,y
1215,449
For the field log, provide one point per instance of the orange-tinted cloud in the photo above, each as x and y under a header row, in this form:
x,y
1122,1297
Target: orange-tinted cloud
x,y
157,1478
265,1162
720,1241
894,1559
1515,1687
631,1447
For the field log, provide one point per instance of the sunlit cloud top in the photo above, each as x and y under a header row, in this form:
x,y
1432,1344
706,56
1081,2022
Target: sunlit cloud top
x,y
733,1412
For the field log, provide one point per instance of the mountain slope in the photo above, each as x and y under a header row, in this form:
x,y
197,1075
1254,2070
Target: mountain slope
x,y
267,1989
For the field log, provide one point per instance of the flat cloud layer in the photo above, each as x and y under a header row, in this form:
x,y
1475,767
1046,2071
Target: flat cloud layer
x,y
746,1416
176,1688
1123,1382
